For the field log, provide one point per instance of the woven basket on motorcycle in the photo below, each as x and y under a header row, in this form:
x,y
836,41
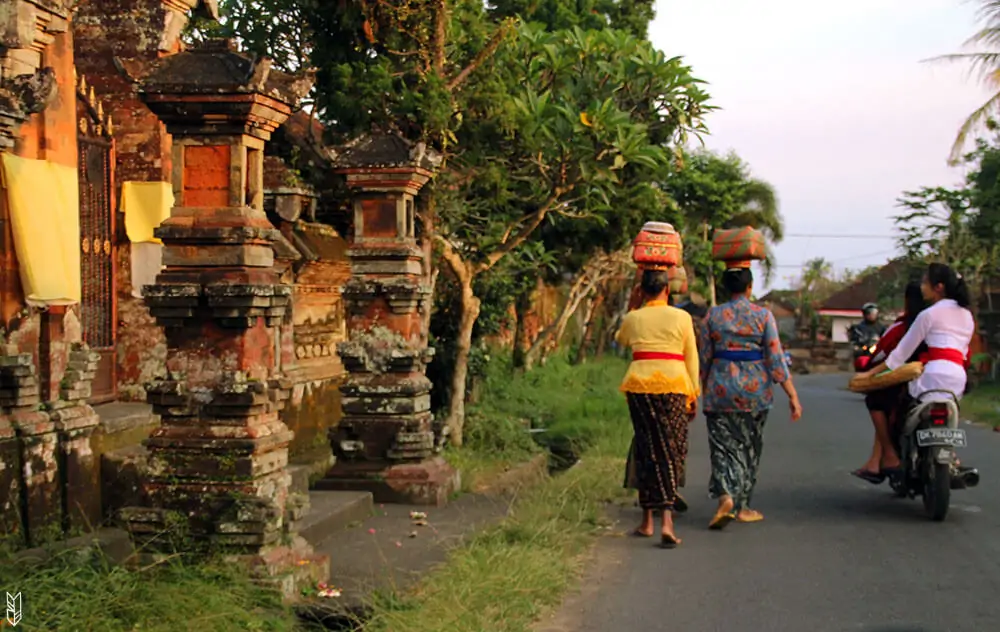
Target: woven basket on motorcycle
x,y
906,373
657,247
739,247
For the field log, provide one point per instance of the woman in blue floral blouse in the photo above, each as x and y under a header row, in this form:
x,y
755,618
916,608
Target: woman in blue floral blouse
x,y
741,358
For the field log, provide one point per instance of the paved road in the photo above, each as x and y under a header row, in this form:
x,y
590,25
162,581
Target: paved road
x,y
834,555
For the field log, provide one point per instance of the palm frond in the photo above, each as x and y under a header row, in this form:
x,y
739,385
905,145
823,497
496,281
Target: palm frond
x,y
975,121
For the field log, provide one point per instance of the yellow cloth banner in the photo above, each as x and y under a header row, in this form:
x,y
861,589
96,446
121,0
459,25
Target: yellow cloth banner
x,y
146,205
44,203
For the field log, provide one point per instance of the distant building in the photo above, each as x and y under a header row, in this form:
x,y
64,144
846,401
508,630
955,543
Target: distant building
x,y
783,308
883,287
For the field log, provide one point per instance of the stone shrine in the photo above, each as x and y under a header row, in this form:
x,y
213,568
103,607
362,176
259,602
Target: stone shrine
x,y
387,442
218,462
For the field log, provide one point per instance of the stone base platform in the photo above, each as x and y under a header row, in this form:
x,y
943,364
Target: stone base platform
x,y
432,482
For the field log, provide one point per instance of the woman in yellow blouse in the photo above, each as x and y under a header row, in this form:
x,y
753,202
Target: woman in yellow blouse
x,y
661,387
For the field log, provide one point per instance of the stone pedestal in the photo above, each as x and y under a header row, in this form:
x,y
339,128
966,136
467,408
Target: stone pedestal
x,y
218,463
387,442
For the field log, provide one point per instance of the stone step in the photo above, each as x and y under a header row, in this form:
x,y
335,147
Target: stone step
x,y
333,511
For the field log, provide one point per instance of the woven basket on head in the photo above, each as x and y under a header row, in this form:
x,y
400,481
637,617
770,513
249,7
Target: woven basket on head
x,y
906,373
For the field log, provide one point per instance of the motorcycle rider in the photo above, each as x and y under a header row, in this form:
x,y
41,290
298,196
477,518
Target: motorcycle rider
x,y
882,405
947,327
869,330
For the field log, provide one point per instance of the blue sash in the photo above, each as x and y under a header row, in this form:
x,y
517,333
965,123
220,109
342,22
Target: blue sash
x,y
733,355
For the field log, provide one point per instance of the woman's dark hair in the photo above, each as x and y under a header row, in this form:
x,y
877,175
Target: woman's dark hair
x,y
736,281
954,284
654,282
913,302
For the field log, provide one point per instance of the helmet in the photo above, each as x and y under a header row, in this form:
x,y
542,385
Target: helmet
x,y
868,308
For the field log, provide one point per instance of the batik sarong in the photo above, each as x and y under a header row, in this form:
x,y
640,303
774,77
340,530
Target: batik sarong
x,y
735,440
659,450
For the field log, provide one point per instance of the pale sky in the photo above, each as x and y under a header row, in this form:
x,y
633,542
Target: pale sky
x,y
832,105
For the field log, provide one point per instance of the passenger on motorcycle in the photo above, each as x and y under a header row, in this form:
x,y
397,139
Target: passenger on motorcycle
x,y
882,405
947,327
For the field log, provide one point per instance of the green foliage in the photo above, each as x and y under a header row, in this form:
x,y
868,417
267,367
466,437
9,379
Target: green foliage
x,y
632,16
959,226
579,406
718,191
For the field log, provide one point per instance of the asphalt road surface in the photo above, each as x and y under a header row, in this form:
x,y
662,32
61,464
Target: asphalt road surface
x,y
834,554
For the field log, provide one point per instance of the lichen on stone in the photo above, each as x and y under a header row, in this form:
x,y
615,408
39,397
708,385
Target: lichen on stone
x,y
377,347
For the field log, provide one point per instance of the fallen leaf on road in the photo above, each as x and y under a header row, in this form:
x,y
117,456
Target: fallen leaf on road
x,y
371,531
420,523
413,534
417,515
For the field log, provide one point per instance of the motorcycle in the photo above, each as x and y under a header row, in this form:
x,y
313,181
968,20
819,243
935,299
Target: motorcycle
x,y
864,351
927,442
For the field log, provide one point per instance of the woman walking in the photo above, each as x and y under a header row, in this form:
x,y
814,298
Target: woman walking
x,y
741,358
661,387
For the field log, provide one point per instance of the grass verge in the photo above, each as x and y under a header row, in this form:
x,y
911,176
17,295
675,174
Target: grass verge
x,y
983,404
505,577
80,590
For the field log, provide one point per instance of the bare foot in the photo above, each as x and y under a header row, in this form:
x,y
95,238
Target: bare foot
x,y
723,515
667,536
749,515
645,529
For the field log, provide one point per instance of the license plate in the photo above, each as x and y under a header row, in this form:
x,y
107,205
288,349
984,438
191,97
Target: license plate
x,y
941,436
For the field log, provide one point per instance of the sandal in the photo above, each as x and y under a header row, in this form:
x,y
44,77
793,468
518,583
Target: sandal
x,y
875,478
669,541
723,516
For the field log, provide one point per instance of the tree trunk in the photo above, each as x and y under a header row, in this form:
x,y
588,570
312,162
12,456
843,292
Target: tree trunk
x,y
577,292
712,298
590,321
430,268
522,308
468,313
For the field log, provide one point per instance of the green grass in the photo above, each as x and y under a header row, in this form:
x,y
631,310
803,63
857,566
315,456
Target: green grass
x,y
80,590
580,405
504,578
983,404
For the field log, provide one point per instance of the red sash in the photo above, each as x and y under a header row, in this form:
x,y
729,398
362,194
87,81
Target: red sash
x,y
947,355
656,355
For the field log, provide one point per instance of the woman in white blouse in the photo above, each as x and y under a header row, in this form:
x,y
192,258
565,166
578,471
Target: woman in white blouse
x,y
947,327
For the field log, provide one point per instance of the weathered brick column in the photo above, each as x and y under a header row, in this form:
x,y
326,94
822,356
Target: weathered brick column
x,y
386,441
219,460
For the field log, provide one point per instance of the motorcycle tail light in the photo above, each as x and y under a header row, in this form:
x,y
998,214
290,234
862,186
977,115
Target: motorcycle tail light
x,y
939,415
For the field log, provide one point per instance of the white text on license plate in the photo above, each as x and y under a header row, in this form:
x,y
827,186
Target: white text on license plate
x,y
941,436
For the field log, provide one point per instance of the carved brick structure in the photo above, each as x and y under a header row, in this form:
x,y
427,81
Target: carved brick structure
x,y
219,460
131,35
386,441
47,470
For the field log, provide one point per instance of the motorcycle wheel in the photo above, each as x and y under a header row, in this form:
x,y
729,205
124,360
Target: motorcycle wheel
x,y
937,490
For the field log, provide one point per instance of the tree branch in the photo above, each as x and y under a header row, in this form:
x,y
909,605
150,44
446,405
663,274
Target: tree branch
x,y
440,36
534,220
454,260
483,55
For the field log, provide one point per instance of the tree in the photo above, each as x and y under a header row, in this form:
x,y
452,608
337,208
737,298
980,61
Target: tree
x,y
986,64
582,107
714,191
